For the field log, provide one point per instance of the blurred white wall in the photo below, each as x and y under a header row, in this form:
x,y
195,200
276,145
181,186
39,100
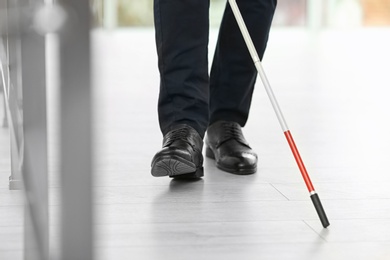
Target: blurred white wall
x,y
291,13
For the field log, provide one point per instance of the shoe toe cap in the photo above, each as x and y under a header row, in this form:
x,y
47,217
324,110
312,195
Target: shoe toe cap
x,y
240,160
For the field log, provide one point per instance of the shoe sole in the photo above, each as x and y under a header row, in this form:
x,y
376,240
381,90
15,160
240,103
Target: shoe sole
x,y
176,167
239,171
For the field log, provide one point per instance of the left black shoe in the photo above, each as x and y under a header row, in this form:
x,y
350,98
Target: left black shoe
x,y
226,144
181,155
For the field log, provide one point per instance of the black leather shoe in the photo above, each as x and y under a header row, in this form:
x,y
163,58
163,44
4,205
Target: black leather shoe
x,y
226,144
181,155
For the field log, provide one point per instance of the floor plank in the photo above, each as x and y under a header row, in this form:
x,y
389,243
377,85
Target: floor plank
x,y
333,90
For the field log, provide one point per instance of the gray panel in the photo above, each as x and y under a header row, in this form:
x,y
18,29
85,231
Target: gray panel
x,y
25,98
34,164
76,133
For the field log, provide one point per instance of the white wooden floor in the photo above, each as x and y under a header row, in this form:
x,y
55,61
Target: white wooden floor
x,y
334,91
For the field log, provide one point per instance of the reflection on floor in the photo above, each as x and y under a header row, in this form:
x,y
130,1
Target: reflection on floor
x,y
333,88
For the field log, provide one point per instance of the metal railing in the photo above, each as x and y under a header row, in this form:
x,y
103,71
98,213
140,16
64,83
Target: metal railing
x,y
24,26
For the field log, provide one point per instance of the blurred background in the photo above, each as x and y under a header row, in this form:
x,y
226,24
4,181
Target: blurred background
x,y
291,13
338,106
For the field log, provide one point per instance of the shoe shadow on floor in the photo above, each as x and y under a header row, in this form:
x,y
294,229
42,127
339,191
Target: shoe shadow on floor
x,y
177,200
185,190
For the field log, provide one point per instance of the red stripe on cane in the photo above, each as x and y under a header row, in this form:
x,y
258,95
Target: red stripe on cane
x,y
299,161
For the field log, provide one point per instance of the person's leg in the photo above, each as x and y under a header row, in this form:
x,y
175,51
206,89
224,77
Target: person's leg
x,y
233,73
182,31
232,79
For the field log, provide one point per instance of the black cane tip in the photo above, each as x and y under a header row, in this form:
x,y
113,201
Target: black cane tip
x,y
320,210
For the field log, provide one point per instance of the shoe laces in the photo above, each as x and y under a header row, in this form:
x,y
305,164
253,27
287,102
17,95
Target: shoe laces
x,y
231,131
179,134
175,135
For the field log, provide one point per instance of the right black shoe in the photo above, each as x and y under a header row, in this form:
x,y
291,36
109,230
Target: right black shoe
x,y
181,154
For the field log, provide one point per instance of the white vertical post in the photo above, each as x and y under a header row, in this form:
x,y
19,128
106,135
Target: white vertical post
x,y
315,14
13,93
110,13
3,57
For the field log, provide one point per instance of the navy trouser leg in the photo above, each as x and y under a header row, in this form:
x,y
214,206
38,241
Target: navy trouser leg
x,y
233,73
182,31
187,94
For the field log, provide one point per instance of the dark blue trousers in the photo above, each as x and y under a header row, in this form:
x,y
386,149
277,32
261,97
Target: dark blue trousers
x,y
188,92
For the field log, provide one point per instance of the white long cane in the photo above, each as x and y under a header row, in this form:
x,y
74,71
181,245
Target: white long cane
x,y
313,194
